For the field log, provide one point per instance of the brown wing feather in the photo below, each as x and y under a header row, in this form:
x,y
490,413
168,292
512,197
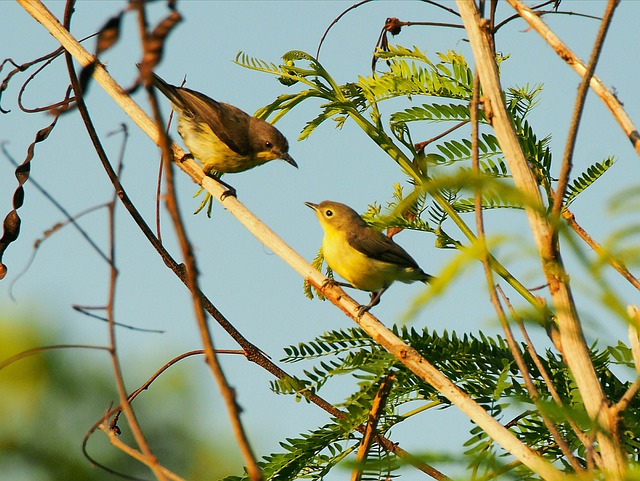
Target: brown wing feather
x,y
229,123
378,246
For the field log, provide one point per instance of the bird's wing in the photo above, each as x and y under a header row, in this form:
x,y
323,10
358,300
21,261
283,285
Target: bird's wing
x,y
229,123
378,246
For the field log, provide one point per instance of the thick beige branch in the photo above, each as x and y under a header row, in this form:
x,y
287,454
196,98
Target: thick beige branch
x,y
573,342
406,354
564,52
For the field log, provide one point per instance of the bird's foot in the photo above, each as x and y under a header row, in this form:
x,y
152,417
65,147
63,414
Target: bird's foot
x,y
374,301
186,156
230,192
207,201
328,282
362,309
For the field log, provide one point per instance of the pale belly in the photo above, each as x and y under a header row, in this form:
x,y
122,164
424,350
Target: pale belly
x,y
214,154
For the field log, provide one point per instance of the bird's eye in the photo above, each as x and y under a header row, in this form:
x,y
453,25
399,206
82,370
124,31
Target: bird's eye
x,y
268,144
328,213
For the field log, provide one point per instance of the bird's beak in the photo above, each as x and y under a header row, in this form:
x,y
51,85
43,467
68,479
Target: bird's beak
x,y
289,160
312,205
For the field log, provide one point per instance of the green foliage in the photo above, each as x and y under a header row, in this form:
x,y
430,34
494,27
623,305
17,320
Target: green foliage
x,y
450,78
309,456
317,263
586,179
448,83
435,93
482,366
521,100
488,202
402,212
431,113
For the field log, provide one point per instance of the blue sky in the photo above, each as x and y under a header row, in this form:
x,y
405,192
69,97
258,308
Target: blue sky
x,y
247,282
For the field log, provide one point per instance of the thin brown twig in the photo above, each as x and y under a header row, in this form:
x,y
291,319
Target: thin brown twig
x,y
627,397
171,200
135,454
564,52
39,350
336,20
47,108
161,168
578,109
617,264
377,408
70,220
136,430
118,409
86,310
421,145
541,13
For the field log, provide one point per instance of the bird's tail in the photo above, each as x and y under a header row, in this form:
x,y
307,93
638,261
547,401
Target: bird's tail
x,y
168,90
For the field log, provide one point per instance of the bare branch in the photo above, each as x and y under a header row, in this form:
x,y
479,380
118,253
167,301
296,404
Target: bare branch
x,y
617,264
609,99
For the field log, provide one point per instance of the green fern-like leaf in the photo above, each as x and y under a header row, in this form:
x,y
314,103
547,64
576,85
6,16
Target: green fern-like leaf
x,y
291,385
330,344
480,365
586,179
456,151
309,456
436,213
432,113
521,100
449,78
317,264
495,167
253,63
398,51
490,200
401,212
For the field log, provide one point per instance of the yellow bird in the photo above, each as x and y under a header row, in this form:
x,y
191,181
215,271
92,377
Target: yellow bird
x,y
366,258
222,137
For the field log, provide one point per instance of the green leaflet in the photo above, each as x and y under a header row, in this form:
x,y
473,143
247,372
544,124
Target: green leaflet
x,y
587,178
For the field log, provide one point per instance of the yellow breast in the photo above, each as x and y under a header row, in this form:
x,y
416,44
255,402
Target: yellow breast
x,y
359,270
